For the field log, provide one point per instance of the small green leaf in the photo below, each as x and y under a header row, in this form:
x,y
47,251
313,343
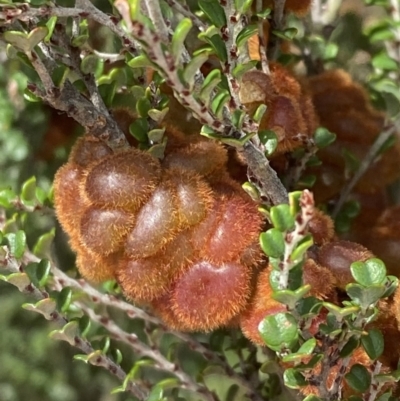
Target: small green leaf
x,y
308,347
82,357
43,272
341,313
179,37
31,97
385,396
209,84
294,379
237,143
43,245
308,306
7,196
219,101
51,23
16,243
68,333
323,137
90,64
80,40
373,343
106,346
37,35
386,85
270,141
134,10
214,12
258,115
158,115
245,34
286,297
96,358
143,106
11,52
330,51
64,299
138,129
302,248
294,202
156,135
281,217
41,196
107,92
30,270
251,190
286,34
368,273
158,150
20,280
383,61
194,66
358,378
218,46
264,13
391,285
314,161
363,296
279,331
349,347
45,307
157,391
141,61
272,243
351,209
242,6
240,69
238,117
117,356
84,325
307,181
26,42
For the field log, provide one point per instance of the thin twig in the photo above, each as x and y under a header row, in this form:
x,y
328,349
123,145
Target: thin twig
x,y
375,386
368,160
88,79
154,12
229,34
294,173
293,238
12,265
278,23
142,349
86,9
185,11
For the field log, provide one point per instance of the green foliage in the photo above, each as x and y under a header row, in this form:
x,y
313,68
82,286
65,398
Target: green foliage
x,y
345,328
106,67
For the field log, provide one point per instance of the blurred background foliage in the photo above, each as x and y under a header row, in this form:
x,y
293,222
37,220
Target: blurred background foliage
x,y
35,140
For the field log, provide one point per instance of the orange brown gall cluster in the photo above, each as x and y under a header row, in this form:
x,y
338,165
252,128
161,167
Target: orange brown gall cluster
x,y
178,234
